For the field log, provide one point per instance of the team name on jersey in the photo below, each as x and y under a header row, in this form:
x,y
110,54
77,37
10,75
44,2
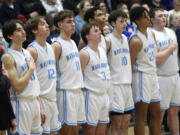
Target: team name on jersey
x,y
150,46
24,67
72,55
46,63
121,50
163,43
98,66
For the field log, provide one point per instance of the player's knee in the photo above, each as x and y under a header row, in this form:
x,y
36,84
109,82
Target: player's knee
x,y
100,132
155,114
124,125
173,112
116,125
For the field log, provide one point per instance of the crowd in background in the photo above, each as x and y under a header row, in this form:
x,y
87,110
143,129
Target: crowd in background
x,y
23,10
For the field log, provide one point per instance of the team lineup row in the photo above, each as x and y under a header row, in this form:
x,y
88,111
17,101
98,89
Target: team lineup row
x,y
57,85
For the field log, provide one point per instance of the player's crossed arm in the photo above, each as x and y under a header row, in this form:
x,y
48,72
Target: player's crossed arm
x,y
18,84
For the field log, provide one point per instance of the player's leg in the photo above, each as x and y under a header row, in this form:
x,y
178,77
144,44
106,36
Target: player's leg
x,y
173,120
65,130
125,124
76,129
89,130
140,117
155,119
115,123
101,129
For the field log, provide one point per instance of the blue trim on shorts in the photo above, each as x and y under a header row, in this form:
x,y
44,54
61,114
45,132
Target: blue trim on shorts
x,y
17,118
86,104
141,100
129,108
64,121
164,108
81,122
56,129
46,132
19,132
52,130
140,86
92,124
59,73
36,133
86,109
115,110
171,104
148,102
103,122
174,104
155,100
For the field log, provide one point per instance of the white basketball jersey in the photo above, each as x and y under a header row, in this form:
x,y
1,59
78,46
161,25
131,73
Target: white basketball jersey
x,y
96,73
102,43
69,74
146,61
119,60
170,65
32,90
46,70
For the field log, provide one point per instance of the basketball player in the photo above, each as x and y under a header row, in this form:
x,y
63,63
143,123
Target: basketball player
x,y
167,69
25,86
144,82
121,104
44,58
70,98
95,15
95,69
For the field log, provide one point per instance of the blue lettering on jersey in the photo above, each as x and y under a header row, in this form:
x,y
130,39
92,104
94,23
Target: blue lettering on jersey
x,y
148,48
98,66
72,55
32,77
46,63
163,43
51,74
24,67
123,50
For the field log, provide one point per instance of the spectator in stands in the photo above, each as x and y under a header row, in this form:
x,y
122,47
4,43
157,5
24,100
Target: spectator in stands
x,y
31,8
175,10
103,7
52,6
168,4
71,5
174,21
10,10
106,30
146,6
84,5
156,4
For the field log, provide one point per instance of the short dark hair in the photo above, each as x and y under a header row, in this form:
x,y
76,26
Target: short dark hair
x,y
32,24
90,13
136,13
86,29
9,28
60,16
153,11
115,14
